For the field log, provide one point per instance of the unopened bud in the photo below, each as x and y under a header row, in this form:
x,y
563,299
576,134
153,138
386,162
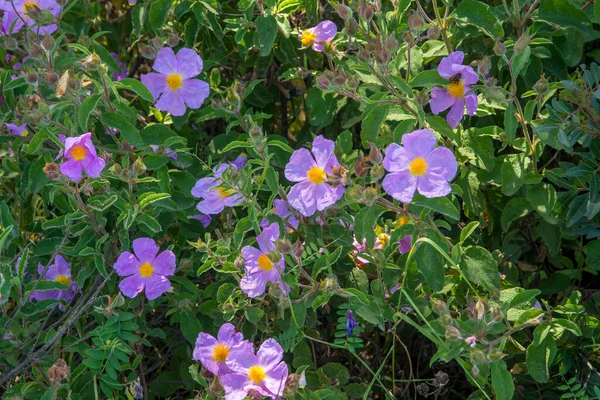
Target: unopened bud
x,y
475,371
139,167
369,11
374,154
499,48
148,52
422,98
52,77
329,284
239,263
355,192
323,82
363,55
298,250
541,86
284,245
35,51
446,319
74,83
433,33
408,37
439,306
522,42
484,66
51,171
340,78
391,44
173,40
415,21
479,309
31,77
344,11
377,172
452,333
48,42
156,42
497,315
58,372
477,357
116,169
9,43
361,168
369,196
353,82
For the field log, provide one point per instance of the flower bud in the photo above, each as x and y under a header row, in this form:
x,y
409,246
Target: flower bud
x,y
353,82
369,11
408,37
522,42
391,44
298,250
479,309
52,172
156,42
446,319
31,77
329,284
496,355
8,43
363,55
284,245
541,86
74,83
439,306
173,40
484,66
58,372
369,196
350,28
48,42
433,33
51,77
355,192
35,51
475,371
377,172
452,333
323,82
374,154
415,21
343,11
340,78
497,315
499,48
139,167
148,52
422,98
477,357
361,168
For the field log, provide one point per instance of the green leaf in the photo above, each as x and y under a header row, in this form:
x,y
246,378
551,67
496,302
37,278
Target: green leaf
x,y
563,13
442,205
86,109
150,197
539,359
360,296
542,198
15,83
430,264
156,134
510,123
515,208
280,145
364,223
190,326
526,296
568,325
521,60
468,230
37,176
159,12
428,78
480,267
512,175
502,381
321,107
136,86
266,27
476,13
254,314
128,131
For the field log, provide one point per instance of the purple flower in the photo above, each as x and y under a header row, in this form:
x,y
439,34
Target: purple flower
x,y
215,198
312,192
240,161
418,166
471,341
259,265
264,372
18,65
18,130
281,209
213,353
173,87
145,269
118,75
205,220
168,151
460,77
60,272
319,35
405,244
350,323
23,8
81,155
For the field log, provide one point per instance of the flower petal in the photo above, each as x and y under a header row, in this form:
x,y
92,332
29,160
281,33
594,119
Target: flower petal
x,y
328,195
440,100
325,31
131,286
395,159
72,169
254,284
234,385
445,68
419,143
156,286
400,185
145,250
156,83
127,264
300,162
172,102
203,186
456,113
93,166
213,203
471,102
468,75
275,380
269,354
189,63
164,263
165,62
442,161
322,149
302,197
267,238
194,92
433,185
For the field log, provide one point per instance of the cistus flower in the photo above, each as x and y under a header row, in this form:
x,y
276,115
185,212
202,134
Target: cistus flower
x,y
17,12
281,209
168,151
81,155
60,272
146,269
350,323
205,220
318,36
263,372
213,352
240,161
18,130
460,77
312,192
416,165
259,265
214,197
471,341
122,73
173,87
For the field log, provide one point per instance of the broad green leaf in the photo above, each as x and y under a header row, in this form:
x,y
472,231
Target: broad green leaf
x,y
150,197
480,267
441,205
266,27
428,78
136,86
477,13
563,13
515,208
542,198
512,175
430,264
159,12
364,223
510,123
539,359
502,381
86,109
128,131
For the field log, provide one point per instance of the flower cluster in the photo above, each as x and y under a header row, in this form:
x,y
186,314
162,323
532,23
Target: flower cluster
x,y
239,368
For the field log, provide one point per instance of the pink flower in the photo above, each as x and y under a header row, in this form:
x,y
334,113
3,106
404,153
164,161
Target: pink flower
x,y
23,8
81,155
312,192
213,353
145,269
318,36
214,197
173,87
259,265
460,77
264,372
471,341
281,209
18,130
60,272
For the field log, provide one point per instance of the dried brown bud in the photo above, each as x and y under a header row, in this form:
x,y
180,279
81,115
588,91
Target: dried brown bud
x,y
374,154
58,372
52,77
361,168
173,40
36,51
52,172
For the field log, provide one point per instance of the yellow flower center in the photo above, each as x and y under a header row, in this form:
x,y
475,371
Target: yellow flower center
x,y
25,133
264,263
225,192
308,38
174,81
29,5
404,220
146,270
256,374
315,175
63,279
220,352
384,239
78,153
456,89
418,166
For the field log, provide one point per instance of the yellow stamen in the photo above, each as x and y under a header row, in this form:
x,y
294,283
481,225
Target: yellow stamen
x,y
308,38
256,374
404,220
174,81
78,153
316,175
456,89
264,263
146,270
225,192
384,239
220,352
25,133
28,5
65,280
418,166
